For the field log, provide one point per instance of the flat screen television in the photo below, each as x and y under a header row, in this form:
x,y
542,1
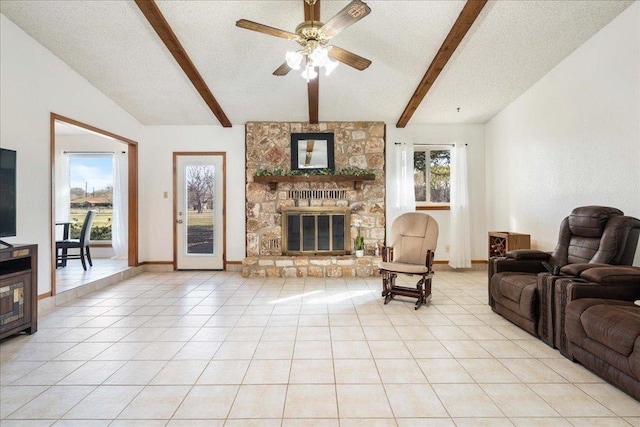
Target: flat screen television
x,y
7,194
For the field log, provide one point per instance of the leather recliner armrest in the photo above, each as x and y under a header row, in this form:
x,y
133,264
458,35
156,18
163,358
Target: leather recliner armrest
x,y
578,290
523,266
577,268
613,275
528,255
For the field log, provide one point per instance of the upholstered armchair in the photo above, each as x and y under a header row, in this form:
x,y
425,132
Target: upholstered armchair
x,y
414,237
590,235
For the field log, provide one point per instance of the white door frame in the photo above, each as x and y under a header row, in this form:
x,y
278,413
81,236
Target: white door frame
x,y
222,154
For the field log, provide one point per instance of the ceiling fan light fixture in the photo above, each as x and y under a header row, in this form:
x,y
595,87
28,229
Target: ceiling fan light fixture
x,y
294,59
309,73
329,66
319,56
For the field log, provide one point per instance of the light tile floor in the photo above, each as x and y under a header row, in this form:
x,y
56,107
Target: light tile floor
x,y
214,349
73,275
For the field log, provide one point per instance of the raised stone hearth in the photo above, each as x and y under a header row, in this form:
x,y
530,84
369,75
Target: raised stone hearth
x,y
310,266
359,145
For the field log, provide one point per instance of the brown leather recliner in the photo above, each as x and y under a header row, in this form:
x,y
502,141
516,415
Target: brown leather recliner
x,y
591,234
612,282
604,336
547,285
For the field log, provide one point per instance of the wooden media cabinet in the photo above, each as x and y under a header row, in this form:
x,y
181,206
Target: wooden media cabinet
x,y
18,289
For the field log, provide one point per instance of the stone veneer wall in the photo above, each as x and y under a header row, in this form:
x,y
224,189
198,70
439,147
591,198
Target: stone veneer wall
x,y
268,146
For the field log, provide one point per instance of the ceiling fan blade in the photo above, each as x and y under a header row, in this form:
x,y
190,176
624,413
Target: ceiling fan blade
x,y
349,58
265,29
282,70
313,93
351,14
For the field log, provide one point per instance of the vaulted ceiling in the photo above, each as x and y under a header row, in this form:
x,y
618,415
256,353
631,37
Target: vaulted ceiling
x,y
509,47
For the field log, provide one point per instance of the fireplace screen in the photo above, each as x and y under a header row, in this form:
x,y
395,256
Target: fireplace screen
x,y
315,230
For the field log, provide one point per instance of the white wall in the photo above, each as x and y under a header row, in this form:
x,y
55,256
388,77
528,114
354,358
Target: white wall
x,y
156,177
572,139
473,136
34,83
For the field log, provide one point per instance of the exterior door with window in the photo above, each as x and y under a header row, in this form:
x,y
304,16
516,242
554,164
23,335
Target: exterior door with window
x,y
199,188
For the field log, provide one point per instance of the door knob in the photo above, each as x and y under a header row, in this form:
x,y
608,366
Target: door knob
x,y
179,221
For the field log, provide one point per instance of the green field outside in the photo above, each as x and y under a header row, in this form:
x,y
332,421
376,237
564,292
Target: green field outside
x,y
199,231
101,227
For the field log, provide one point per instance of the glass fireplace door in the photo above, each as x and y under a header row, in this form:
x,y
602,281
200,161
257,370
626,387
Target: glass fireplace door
x,y
315,231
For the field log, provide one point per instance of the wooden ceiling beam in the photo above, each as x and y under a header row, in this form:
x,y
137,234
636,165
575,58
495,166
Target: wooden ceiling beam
x,y
150,10
465,20
313,86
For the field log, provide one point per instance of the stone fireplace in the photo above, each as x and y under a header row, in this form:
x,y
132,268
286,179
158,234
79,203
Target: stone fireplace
x,y
295,211
316,230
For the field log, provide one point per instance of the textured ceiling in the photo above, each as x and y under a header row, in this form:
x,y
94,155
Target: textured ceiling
x,y
510,47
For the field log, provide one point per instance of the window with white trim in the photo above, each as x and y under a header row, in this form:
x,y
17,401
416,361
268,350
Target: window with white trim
x,y
91,188
432,175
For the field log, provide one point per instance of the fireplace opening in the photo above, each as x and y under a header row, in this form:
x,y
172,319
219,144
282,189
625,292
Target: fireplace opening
x,y
316,231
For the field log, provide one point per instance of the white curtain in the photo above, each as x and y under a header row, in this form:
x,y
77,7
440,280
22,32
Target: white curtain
x,y
460,245
62,193
119,227
405,197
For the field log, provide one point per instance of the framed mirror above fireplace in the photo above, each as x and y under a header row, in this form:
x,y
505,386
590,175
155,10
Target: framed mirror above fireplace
x,y
312,151
316,230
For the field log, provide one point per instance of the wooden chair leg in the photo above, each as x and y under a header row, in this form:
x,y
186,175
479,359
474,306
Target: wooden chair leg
x,y
420,289
388,283
427,289
385,280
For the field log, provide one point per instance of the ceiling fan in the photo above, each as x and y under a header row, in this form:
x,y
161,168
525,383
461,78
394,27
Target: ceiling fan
x,y
314,37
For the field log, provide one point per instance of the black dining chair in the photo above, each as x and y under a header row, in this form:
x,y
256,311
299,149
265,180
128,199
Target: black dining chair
x,y
63,246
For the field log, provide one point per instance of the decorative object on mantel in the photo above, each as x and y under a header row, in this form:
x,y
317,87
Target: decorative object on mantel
x,y
315,172
312,151
272,178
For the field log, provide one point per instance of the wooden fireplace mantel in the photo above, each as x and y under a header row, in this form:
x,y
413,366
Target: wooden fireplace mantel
x,y
273,180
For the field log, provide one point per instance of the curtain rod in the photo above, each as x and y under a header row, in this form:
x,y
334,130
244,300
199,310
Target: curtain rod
x,y
92,152
420,145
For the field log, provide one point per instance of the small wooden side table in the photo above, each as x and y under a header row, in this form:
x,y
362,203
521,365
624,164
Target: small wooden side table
x,y
501,242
